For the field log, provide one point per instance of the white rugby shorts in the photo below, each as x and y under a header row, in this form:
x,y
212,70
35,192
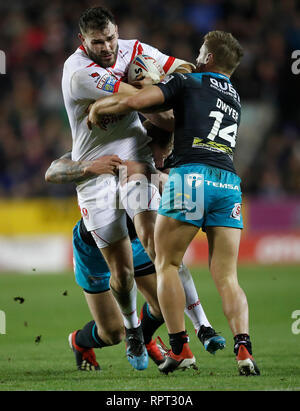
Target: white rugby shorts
x,y
103,203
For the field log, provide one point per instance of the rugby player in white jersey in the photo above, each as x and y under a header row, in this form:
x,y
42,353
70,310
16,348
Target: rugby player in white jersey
x,y
99,68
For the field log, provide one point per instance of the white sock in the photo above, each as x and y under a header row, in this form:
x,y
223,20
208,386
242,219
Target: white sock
x,y
193,307
128,311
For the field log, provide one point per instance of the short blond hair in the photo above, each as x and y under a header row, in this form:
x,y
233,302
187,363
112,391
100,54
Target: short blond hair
x,y
226,50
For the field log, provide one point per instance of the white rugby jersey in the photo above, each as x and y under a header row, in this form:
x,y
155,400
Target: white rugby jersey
x,y
85,81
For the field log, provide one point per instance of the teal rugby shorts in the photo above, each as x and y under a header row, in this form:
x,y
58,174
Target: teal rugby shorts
x,y
90,269
204,196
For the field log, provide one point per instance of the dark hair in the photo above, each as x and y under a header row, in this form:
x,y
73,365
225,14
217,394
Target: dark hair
x,y
225,48
95,18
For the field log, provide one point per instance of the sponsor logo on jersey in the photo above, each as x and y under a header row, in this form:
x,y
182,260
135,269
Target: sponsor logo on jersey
x,y
224,87
107,83
95,280
95,75
102,81
167,79
123,54
84,212
211,145
236,211
222,185
108,119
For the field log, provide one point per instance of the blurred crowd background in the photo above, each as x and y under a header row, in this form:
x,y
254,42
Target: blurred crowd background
x,y
37,37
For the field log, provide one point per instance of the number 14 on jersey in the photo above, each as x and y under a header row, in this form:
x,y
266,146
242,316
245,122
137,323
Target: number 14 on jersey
x,y
226,133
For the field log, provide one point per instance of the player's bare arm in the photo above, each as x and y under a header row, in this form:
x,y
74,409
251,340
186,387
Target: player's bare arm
x,y
65,170
117,104
131,99
144,99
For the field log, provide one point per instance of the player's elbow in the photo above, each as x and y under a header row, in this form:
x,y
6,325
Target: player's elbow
x,y
49,175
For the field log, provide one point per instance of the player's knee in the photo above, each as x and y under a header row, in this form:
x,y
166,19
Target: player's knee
x,y
122,279
163,263
224,278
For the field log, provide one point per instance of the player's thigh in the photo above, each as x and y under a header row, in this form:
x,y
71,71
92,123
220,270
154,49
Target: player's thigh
x,y
223,251
172,237
118,255
110,229
107,316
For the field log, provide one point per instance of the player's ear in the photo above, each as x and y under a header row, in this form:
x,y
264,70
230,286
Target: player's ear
x,y
209,58
81,38
117,31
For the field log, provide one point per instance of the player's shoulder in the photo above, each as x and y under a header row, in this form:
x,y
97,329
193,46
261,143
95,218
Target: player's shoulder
x,y
78,61
78,55
194,77
189,80
79,66
175,78
129,45
130,48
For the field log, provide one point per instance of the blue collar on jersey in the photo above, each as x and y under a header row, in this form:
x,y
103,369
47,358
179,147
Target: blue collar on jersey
x,y
210,73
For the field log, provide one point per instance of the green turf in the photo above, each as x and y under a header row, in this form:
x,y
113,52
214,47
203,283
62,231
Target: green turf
x,y
273,294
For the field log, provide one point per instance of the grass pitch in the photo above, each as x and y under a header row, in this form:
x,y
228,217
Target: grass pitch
x,y
34,354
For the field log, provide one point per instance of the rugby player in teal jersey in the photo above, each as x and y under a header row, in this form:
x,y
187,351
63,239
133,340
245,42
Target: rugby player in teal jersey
x,y
203,189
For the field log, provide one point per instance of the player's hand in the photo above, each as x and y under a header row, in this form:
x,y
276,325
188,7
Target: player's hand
x,y
103,165
89,116
93,119
144,81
